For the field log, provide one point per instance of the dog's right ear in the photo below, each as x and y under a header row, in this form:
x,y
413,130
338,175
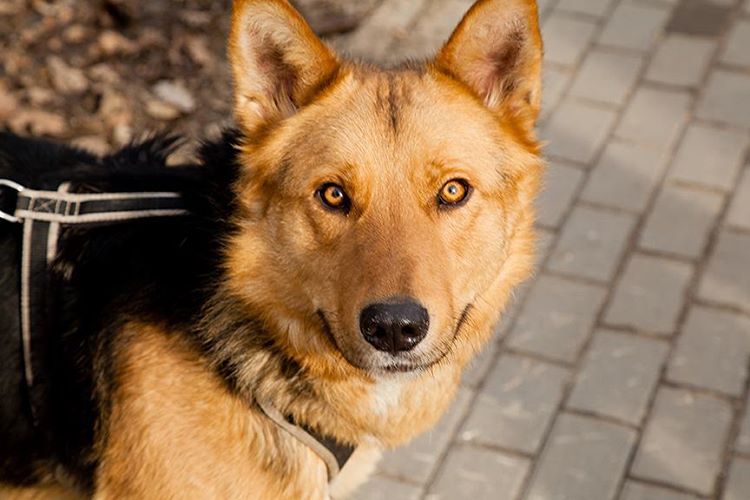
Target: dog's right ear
x,y
277,62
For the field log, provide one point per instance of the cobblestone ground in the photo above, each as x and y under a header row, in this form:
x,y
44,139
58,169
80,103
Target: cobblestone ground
x,y
622,372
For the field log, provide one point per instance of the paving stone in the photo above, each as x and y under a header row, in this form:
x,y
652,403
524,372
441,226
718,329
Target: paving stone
x,y
585,458
592,243
681,60
516,405
554,83
654,117
566,39
577,130
557,318
696,212
712,351
595,8
638,491
625,176
727,278
383,488
683,441
606,76
709,18
634,26
436,23
388,23
619,374
650,295
709,156
738,483
479,474
742,444
479,366
560,187
739,210
726,98
417,461
736,51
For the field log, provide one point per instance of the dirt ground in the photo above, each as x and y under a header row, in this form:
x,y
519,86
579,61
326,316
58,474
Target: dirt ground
x,y
100,73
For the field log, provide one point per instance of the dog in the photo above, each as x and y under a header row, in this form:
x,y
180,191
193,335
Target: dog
x,y
338,260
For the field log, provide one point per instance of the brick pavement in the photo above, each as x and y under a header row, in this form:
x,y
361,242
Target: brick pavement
x,y
622,372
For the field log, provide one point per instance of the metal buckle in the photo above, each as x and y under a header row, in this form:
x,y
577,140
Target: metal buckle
x,y
18,189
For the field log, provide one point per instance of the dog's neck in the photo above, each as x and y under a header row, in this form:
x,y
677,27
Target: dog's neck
x,y
355,408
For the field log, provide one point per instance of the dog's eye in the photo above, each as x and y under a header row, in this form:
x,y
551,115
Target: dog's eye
x,y
454,193
333,197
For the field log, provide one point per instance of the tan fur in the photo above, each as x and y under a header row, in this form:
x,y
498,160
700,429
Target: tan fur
x,y
48,492
391,139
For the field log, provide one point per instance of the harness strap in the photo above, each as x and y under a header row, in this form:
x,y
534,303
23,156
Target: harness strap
x,y
42,213
334,454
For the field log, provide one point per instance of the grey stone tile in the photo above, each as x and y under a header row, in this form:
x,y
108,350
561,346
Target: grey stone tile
x,y
383,488
696,212
727,278
739,210
654,117
479,366
592,243
585,458
713,351
559,189
554,83
738,483
619,374
638,491
742,444
557,318
709,156
700,17
479,474
436,23
625,176
595,8
416,461
517,404
606,76
736,51
726,99
681,60
650,295
566,39
634,26
387,25
577,130
683,441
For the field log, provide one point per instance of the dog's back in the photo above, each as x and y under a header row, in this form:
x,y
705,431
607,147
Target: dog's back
x,y
144,256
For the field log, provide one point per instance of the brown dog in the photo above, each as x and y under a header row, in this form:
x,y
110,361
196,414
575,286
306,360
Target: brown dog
x,y
382,219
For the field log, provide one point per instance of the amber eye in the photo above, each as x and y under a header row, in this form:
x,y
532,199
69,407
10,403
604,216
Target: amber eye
x,y
333,197
454,193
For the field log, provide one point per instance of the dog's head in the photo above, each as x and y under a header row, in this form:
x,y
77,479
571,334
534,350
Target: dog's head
x,y
386,213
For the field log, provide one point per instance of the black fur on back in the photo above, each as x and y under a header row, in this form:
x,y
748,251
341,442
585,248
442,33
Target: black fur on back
x,y
158,270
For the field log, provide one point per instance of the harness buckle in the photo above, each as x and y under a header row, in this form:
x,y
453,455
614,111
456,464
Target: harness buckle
x,y
7,183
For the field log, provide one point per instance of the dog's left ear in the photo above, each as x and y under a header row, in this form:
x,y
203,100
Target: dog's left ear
x,y
277,61
497,52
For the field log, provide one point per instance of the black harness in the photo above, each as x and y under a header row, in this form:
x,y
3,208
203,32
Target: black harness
x,y
43,214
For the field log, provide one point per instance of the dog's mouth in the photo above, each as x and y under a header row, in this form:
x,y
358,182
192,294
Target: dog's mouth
x,y
417,364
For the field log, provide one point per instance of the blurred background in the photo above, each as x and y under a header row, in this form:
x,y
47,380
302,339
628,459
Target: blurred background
x,y
621,370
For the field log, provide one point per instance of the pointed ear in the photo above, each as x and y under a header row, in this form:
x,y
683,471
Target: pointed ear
x,y
276,60
497,51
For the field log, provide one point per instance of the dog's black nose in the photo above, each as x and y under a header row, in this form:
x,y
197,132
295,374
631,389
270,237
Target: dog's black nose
x,y
394,326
